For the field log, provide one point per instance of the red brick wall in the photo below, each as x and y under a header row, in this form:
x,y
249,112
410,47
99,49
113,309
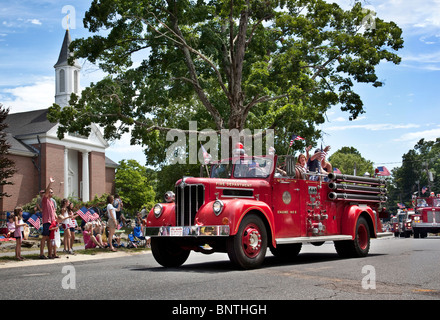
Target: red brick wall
x,y
52,165
26,180
25,184
97,174
110,180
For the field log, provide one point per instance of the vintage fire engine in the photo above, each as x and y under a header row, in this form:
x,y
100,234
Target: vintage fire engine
x,y
427,217
402,223
249,204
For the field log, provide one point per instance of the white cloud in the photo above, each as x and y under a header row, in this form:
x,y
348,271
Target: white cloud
x,y
35,21
428,135
39,95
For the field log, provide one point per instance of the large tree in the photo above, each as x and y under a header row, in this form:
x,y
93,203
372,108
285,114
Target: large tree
x,y
7,166
348,160
227,64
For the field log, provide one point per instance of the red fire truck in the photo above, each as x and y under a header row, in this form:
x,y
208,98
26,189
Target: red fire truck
x,y
249,204
427,217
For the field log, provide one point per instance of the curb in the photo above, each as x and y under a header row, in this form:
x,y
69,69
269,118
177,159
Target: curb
x,y
68,259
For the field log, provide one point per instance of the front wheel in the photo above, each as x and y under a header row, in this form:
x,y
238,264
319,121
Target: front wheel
x,y
168,253
360,246
247,249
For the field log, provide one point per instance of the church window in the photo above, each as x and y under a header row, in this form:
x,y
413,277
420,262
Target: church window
x,y
62,81
75,81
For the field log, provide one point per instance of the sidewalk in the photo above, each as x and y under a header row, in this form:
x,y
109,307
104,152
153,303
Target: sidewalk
x,y
64,258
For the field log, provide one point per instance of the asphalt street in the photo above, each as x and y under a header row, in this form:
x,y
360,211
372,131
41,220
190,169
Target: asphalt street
x,y
395,269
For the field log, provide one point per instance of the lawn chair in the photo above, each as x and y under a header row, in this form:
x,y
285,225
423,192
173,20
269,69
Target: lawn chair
x,y
138,237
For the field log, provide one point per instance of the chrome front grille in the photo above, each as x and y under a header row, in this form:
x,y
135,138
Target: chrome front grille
x,y
189,198
430,216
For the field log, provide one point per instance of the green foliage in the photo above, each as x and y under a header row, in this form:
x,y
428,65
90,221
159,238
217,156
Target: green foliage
x,y
412,176
347,158
7,166
244,64
133,186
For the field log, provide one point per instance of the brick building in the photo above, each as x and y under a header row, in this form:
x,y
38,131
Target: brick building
x,y
78,164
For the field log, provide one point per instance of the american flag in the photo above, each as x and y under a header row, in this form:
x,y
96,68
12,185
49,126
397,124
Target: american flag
x,y
294,138
401,206
92,215
424,189
383,171
84,214
336,170
35,221
206,156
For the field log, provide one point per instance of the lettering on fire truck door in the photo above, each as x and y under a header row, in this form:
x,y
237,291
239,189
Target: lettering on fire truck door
x,y
286,208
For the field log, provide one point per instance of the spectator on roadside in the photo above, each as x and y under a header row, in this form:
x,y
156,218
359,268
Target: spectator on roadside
x,y
66,223
18,232
54,229
11,226
90,240
49,216
117,203
112,222
37,207
72,227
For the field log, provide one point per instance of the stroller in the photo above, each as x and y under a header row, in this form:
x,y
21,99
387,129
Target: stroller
x,y
136,239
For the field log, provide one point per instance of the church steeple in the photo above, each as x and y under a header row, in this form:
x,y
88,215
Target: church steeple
x,y
66,76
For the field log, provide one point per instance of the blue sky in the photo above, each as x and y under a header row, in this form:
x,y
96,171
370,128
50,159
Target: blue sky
x,y
397,115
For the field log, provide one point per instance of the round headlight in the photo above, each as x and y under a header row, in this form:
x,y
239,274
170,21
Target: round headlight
x,y
169,196
217,206
157,210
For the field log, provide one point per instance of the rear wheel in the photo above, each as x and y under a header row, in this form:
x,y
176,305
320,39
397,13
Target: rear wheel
x,y
168,253
247,249
360,246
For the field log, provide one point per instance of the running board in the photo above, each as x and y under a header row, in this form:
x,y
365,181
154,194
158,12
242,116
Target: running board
x,y
313,239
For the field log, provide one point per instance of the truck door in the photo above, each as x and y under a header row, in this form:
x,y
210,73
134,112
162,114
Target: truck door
x,y
286,207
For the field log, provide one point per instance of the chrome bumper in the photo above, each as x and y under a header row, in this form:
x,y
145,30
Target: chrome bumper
x,y
426,225
187,231
384,234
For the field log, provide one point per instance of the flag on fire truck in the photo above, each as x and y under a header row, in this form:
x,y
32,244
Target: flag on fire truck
x,y
294,138
383,171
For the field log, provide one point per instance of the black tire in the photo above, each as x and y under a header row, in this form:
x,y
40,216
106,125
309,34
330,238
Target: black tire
x,y
360,246
287,252
247,249
168,253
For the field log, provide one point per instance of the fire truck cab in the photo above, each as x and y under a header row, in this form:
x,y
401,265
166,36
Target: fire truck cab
x,y
427,216
249,204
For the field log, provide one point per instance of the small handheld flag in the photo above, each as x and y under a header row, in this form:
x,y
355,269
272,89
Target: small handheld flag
x,y
294,138
35,221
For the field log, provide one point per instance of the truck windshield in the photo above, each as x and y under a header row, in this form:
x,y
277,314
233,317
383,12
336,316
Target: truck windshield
x,y
254,167
244,167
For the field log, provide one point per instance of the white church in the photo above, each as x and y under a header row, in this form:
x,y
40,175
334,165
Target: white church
x,y
78,164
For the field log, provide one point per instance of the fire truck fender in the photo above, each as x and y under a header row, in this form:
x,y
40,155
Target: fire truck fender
x,y
351,216
237,209
167,218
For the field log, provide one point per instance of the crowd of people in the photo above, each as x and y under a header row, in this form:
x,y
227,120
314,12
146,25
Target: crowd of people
x,y
316,163
96,234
